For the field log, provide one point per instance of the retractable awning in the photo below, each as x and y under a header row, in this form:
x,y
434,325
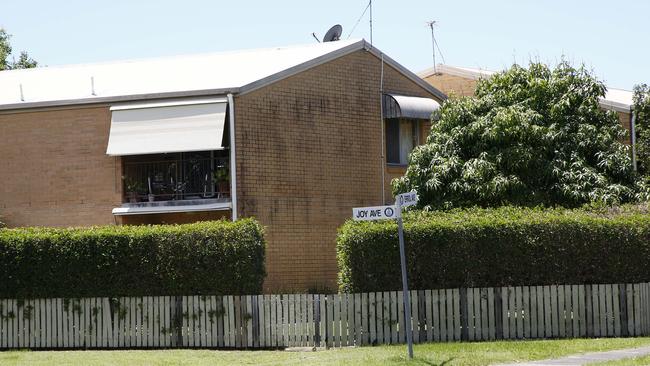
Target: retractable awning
x,y
401,106
165,127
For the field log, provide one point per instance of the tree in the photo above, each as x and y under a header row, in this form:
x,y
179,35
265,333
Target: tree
x,y
642,127
642,131
529,137
24,61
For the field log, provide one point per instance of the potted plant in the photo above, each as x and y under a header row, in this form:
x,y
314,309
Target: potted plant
x,y
222,179
132,188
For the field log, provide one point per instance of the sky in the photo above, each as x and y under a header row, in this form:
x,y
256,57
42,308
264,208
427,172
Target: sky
x,y
609,37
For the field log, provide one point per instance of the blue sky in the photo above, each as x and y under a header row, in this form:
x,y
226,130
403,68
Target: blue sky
x,y
611,37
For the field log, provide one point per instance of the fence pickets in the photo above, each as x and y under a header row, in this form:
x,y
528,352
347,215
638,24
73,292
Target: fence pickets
x,y
339,320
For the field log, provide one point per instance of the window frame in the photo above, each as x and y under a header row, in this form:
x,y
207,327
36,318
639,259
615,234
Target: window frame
x,y
416,125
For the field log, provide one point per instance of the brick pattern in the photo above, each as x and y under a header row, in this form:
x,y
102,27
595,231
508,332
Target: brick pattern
x,y
55,169
309,150
452,84
173,218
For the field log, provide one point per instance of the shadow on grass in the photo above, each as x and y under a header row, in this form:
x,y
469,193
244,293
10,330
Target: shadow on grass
x,y
420,361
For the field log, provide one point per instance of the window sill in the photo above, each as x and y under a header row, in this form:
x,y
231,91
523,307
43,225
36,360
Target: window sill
x,y
144,208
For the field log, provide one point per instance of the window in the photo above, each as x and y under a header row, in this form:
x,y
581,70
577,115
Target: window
x,y
402,135
176,176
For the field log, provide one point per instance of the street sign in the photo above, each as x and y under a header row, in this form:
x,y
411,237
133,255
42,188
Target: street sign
x,y
407,199
374,213
395,212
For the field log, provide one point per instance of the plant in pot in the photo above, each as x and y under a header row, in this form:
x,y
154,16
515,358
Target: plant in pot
x,y
132,188
222,180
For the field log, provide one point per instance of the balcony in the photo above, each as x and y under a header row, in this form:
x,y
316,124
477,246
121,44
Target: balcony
x,y
179,182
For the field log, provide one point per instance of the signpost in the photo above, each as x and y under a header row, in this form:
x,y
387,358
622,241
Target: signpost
x,y
388,213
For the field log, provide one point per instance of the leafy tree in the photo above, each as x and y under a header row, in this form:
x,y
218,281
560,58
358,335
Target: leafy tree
x,y
642,127
529,137
24,61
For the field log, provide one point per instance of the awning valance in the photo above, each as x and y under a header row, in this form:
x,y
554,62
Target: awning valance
x,y
401,106
164,127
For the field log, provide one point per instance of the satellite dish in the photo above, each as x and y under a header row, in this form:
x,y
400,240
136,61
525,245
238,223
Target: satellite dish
x,y
334,34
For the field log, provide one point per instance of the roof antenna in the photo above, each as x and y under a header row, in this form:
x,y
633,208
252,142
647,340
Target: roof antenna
x,y
434,45
370,6
92,85
22,97
313,34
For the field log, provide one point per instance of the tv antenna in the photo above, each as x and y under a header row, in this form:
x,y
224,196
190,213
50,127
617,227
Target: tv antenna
x,y
434,45
369,6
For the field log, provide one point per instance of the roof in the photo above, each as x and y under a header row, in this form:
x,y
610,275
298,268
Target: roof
x,y
619,100
189,75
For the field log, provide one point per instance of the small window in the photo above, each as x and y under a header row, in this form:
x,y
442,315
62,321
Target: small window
x,y
402,135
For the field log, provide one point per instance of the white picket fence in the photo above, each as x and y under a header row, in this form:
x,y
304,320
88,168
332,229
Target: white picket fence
x,y
272,321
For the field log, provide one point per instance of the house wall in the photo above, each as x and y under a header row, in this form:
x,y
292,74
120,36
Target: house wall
x,y
173,218
452,84
309,150
54,168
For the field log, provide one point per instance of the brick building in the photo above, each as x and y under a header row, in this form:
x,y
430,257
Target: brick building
x,y
461,81
293,136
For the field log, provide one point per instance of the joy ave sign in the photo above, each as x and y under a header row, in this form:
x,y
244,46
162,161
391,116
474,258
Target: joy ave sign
x,y
374,213
394,212
385,212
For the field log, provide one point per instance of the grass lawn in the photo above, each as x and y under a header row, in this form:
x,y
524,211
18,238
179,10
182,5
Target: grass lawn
x,y
483,353
637,361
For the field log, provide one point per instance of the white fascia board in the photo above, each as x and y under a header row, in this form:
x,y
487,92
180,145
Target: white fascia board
x,y
615,106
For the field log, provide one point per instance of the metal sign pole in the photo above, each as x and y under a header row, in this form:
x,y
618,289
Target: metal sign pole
x,y
405,286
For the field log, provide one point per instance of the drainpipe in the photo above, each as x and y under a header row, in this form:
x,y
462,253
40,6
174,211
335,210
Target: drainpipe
x,y
633,135
382,158
233,162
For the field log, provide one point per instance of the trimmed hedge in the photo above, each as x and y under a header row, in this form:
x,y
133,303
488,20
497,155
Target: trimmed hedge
x,y
498,247
218,257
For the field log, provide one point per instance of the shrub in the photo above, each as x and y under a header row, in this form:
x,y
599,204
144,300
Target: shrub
x,y
498,247
218,257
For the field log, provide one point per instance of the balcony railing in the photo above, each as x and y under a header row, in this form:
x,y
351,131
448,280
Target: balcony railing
x,y
175,180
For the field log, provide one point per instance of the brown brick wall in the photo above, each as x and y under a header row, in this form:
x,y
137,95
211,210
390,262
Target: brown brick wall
x,y
54,168
173,218
452,85
309,151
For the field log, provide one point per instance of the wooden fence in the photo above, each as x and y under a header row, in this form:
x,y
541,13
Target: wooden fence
x,y
270,321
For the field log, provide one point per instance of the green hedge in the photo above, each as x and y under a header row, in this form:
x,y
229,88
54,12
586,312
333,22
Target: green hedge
x,y
498,247
217,257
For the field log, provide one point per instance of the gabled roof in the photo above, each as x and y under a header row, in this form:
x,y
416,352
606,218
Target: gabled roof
x,y
189,75
619,100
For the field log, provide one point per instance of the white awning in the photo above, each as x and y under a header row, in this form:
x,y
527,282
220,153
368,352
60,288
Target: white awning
x,y
401,106
164,127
